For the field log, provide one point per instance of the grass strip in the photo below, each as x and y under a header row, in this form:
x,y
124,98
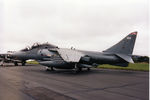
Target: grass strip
x,y
135,67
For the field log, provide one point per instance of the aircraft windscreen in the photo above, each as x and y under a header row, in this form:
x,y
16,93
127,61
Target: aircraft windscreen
x,y
35,45
26,49
38,45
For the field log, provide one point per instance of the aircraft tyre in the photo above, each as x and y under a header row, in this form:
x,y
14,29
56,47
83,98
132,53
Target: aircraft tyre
x,y
50,69
15,63
23,63
77,69
47,69
2,63
88,69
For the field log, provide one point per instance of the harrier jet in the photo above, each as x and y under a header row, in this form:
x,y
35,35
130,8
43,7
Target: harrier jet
x,y
25,54
119,54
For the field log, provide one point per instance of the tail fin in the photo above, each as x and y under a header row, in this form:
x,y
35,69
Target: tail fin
x,y
125,46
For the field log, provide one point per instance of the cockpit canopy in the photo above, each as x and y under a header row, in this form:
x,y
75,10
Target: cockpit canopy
x,y
38,45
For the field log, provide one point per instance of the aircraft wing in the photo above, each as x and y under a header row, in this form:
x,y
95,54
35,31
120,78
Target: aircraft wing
x,y
70,55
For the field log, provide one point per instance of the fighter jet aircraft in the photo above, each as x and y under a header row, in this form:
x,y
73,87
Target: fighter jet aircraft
x,y
62,58
25,54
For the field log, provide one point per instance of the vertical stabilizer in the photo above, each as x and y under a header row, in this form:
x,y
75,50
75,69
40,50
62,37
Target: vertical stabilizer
x,y
125,46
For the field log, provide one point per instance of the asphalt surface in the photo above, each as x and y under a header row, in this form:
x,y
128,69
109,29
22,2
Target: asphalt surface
x,y
32,82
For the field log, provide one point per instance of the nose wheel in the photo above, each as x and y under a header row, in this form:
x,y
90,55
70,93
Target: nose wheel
x,y
23,63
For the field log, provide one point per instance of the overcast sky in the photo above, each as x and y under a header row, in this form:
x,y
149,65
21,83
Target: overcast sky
x,y
84,24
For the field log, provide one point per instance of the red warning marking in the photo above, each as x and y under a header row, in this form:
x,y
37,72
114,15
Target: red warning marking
x,y
134,33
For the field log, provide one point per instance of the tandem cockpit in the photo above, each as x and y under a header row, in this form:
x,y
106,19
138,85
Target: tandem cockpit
x,y
38,45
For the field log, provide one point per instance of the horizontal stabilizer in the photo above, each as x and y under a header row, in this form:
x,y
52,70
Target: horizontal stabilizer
x,y
126,57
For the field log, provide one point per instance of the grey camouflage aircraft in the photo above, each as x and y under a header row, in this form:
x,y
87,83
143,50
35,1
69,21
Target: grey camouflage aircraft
x,y
119,54
25,54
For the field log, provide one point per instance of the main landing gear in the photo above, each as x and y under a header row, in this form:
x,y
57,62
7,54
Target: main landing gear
x,y
78,69
50,69
88,69
22,63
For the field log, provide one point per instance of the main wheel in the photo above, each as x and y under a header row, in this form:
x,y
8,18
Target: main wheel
x,y
77,69
16,63
50,69
23,63
88,69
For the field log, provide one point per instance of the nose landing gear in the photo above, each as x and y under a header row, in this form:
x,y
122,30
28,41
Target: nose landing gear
x,y
16,63
23,63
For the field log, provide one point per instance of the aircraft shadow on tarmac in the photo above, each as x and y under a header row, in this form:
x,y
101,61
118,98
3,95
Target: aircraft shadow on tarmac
x,y
68,72
92,71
